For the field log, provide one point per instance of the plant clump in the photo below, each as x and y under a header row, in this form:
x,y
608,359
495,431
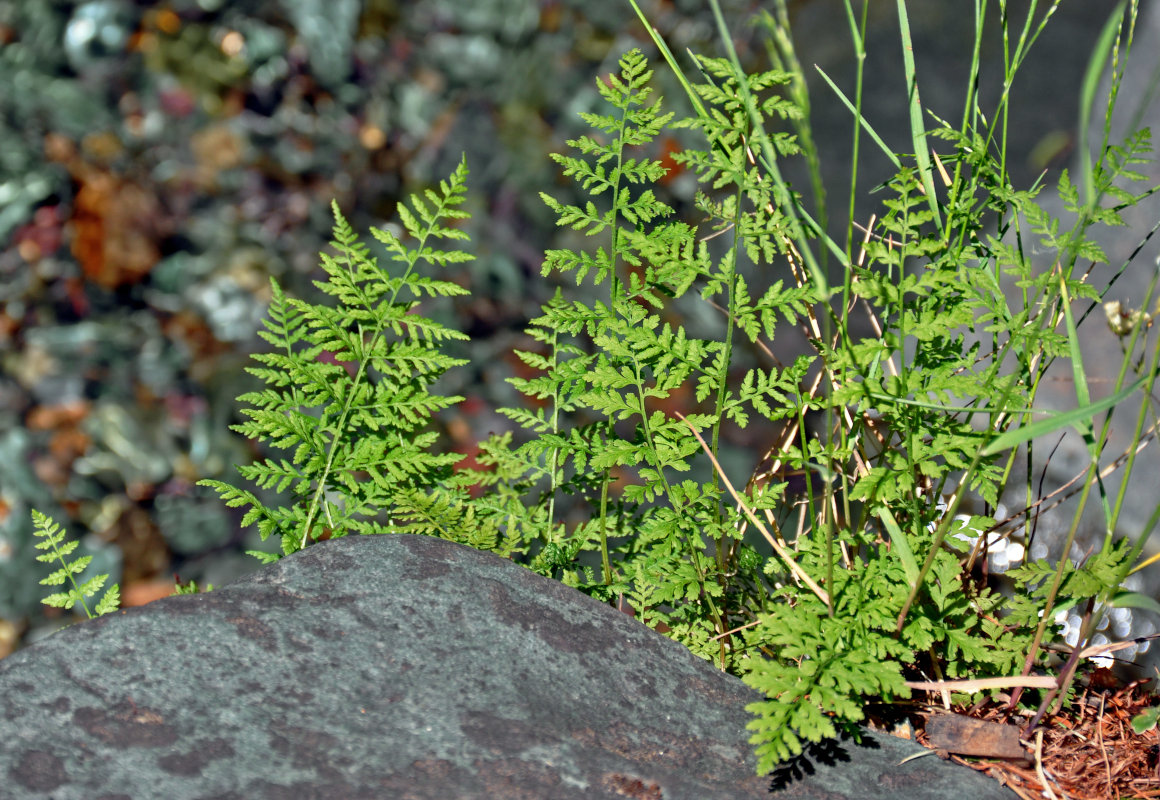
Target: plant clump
x,y
843,573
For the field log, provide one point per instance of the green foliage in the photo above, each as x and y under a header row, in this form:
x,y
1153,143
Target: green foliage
x,y
52,538
822,597
191,588
347,387
1146,720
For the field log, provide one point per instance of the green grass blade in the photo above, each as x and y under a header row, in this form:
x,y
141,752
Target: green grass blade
x,y
1091,85
901,545
1074,351
1017,436
866,126
670,59
917,126
1135,600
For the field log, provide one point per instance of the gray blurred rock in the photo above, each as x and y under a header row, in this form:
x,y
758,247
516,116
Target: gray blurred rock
x,y
403,667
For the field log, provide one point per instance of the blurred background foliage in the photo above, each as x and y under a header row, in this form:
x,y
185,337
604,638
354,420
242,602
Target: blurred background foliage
x,y
160,161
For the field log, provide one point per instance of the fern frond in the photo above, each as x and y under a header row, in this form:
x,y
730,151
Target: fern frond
x,y
348,388
51,537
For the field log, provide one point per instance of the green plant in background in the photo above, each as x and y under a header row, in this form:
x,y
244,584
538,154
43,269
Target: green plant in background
x,y
191,588
851,588
51,537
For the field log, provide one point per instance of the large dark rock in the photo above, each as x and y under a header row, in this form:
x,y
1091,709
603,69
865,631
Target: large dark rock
x,y
403,667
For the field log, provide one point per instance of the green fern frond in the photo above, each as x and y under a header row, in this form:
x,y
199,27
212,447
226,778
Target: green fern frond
x,y
348,386
52,537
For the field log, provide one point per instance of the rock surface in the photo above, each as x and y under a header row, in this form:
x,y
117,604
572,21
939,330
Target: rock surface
x,y
403,667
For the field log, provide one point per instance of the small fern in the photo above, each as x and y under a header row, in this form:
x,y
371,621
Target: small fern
x,y
347,387
191,588
51,537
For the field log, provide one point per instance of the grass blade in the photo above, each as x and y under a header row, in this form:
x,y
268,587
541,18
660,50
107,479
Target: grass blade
x,y
917,127
861,119
1017,436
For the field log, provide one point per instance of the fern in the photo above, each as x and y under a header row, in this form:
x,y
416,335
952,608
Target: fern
x,y
822,597
52,538
347,387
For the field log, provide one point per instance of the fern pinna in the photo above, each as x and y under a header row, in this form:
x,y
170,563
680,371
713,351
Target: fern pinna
x,y
347,386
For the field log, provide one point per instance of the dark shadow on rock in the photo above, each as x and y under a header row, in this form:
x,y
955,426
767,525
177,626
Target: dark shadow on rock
x,y
828,752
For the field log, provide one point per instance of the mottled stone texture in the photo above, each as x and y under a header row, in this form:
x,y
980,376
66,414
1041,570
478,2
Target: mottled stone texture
x,y
402,667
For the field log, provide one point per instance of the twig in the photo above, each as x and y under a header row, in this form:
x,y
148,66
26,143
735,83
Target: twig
x,y
1039,766
798,572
